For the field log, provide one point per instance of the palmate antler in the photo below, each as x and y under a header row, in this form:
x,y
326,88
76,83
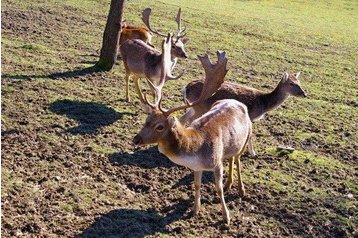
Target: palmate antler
x,y
214,77
165,68
145,18
181,31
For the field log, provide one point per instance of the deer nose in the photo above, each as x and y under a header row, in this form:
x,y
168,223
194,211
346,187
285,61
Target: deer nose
x,y
137,140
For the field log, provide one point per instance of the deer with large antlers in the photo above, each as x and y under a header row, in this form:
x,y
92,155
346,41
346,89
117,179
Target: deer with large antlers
x,y
258,102
221,133
143,60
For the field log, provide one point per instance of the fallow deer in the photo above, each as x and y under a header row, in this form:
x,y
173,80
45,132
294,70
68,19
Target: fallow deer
x,y
221,133
142,60
258,102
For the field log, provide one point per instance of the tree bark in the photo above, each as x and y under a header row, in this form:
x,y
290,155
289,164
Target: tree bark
x,y
111,36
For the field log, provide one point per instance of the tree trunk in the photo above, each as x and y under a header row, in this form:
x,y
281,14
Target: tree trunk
x,y
111,36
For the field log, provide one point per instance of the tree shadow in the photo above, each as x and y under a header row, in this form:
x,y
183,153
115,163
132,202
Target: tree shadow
x,y
147,158
61,75
90,115
135,223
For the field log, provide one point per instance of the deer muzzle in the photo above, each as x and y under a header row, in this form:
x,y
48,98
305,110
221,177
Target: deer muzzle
x,y
137,140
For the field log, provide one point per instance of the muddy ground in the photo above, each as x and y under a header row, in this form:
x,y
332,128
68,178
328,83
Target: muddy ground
x,y
69,167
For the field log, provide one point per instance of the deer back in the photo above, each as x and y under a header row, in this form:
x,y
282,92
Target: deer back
x,y
133,32
220,133
228,90
141,59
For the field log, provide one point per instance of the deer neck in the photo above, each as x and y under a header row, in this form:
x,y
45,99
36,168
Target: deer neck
x,y
273,99
179,141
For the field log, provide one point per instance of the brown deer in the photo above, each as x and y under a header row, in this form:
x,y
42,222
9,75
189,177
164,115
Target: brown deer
x,y
142,60
221,133
130,32
258,102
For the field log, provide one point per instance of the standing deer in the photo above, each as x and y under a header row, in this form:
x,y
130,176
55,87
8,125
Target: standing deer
x,y
221,133
142,60
258,102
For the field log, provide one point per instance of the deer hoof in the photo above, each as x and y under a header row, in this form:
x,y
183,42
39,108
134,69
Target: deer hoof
x,y
227,186
196,211
242,192
227,219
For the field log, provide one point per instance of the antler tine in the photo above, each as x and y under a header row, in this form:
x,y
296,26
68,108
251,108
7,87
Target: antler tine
x,y
215,74
144,99
207,65
145,18
180,29
221,57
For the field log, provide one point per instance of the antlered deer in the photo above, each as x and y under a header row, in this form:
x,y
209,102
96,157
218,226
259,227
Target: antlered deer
x,y
258,102
142,60
221,133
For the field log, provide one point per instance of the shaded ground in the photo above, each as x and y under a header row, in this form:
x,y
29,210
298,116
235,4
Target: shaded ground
x,y
69,168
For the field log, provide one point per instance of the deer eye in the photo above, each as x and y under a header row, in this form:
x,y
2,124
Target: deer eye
x,y
159,128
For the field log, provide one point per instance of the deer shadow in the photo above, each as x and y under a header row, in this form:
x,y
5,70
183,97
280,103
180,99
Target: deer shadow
x,y
61,75
146,158
91,116
126,222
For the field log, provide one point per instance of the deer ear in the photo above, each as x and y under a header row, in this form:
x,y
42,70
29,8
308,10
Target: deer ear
x,y
297,75
146,108
285,77
185,40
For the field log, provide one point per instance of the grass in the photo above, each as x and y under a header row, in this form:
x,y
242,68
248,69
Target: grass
x,y
47,48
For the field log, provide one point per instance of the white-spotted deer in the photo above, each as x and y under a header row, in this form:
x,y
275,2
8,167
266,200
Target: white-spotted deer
x,y
142,60
221,133
258,102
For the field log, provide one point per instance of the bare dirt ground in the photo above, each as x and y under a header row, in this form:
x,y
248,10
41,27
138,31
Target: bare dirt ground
x,y
69,167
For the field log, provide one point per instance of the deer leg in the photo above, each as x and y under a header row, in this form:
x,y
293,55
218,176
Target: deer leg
x,y
230,179
218,173
251,147
137,87
127,88
238,168
128,73
197,184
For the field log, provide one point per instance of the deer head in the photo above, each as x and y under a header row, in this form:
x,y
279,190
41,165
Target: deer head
x,y
291,85
178,42
159,122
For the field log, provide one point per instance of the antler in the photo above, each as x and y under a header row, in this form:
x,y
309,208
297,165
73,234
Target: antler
x,y
180,29
165,66
145,18
214,77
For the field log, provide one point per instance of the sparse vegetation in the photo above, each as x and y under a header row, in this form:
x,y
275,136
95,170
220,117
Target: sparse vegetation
x,y
69,167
